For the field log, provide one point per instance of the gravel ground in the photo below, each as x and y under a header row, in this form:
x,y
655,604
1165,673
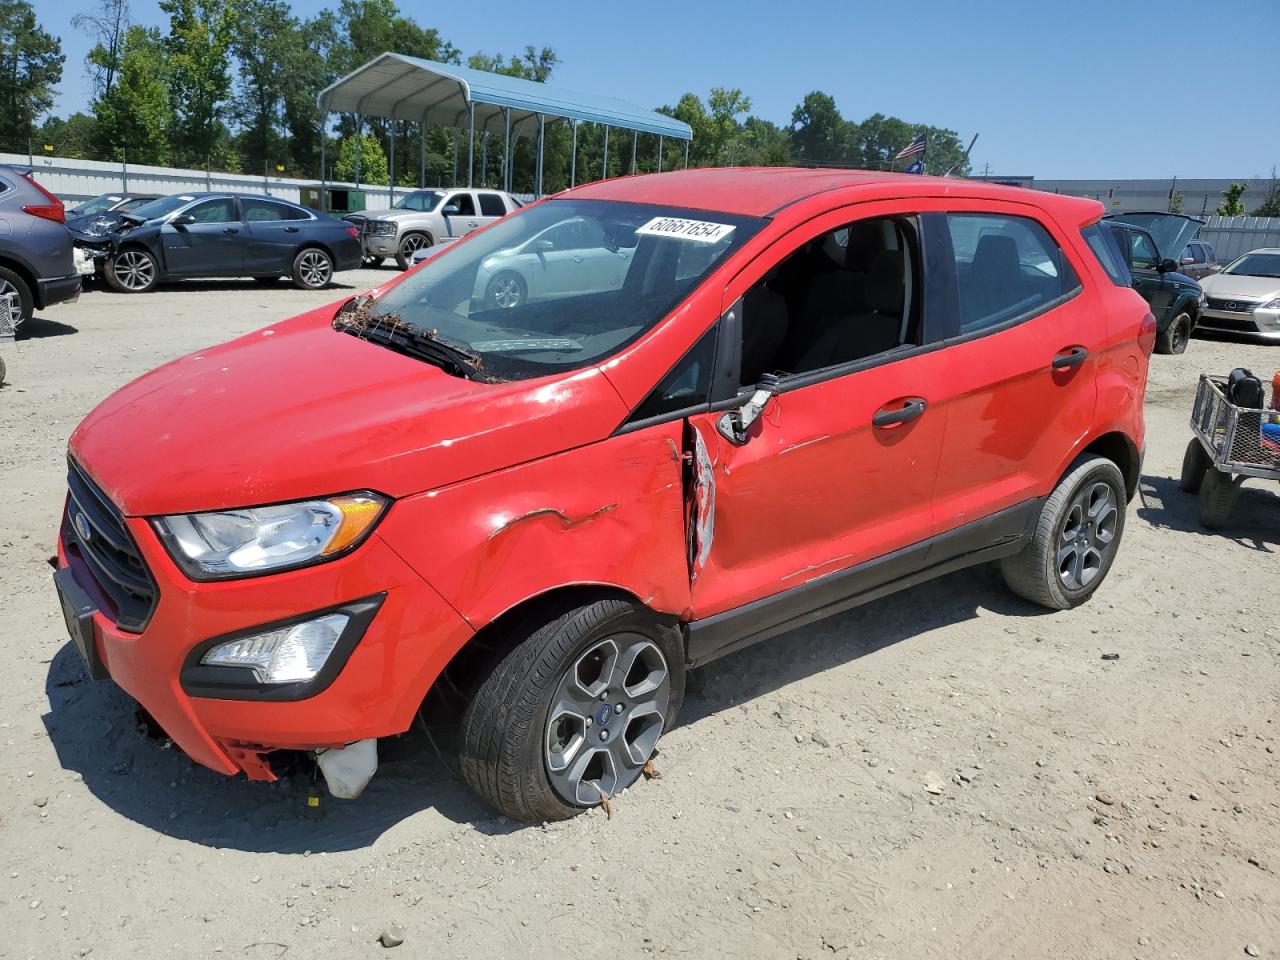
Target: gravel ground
x,y
945,773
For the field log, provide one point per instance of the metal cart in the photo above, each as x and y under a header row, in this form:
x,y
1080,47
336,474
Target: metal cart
x,y
9,314
1230,444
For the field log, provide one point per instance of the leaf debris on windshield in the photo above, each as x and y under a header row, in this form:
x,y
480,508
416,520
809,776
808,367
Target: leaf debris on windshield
x,y
391,330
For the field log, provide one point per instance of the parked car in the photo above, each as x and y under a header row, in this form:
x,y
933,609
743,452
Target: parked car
x,y
104,204
221,235
1245,296
1198,260
426,217
541,515
36,265
1176,300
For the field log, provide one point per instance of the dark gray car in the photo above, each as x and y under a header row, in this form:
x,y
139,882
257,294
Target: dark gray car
x,y
37,268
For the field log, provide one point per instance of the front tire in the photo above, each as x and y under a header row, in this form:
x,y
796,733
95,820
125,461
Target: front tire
x,y
1217,497
1176,336
132,271
1195,463
312,269
411,244
1075,540
506,291
571,715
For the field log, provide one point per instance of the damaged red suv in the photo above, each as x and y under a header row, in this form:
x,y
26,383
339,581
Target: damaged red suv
x,y
615,435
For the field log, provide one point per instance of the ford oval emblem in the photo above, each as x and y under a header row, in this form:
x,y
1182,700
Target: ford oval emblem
x,y
604,715
83,530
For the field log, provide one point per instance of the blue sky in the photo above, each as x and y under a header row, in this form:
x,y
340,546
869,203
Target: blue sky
x,y
1089,89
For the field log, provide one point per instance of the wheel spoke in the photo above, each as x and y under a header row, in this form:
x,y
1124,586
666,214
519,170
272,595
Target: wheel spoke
x,y
1088,535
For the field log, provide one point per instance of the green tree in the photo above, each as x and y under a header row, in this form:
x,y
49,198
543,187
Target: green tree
x,y
107,24
761,143
30,67
265,43
373,162
306,70
1231,205
72,137
533,64
1270,207
819,134
1175,202
133,119
198,48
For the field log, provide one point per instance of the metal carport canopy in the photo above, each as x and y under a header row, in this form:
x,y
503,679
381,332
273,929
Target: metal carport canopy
x,y
397,87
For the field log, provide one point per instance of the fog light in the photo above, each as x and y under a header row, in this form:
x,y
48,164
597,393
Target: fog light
x,y
285,655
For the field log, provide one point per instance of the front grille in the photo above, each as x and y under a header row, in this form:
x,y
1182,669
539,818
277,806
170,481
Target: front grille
x,y
95,531
1231,305
1235,324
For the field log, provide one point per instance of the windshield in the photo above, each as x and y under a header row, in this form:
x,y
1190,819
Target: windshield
x,y
423,200
161,207
563,284
96,205
1256,265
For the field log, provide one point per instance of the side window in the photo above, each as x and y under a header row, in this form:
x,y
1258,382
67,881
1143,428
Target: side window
x,y
844,296
466,206
259,211
1101,241
491,205
1209,255
1142,251
1006,267
221,210
687,384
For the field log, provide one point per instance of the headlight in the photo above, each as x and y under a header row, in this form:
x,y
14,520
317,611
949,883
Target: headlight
x,y
1269,305
239,543
382,227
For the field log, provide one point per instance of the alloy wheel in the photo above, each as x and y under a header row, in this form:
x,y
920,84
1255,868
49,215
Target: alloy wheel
x,y
411,245
606,716
314,268
134,270
505,292
1088,535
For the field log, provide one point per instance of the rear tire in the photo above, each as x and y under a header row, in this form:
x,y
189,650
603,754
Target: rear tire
x,y
312,269
533,751
1217,497
1176,336
1195,462
1075,540
2,371
11,283
132,270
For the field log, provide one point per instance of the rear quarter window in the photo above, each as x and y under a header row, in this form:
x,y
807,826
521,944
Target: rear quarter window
x,y
1101,243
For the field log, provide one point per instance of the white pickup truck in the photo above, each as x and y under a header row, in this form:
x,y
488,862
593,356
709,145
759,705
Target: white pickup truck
x,y
424,218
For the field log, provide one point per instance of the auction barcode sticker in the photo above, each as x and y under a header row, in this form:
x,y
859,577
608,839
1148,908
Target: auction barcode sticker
x,y
700,231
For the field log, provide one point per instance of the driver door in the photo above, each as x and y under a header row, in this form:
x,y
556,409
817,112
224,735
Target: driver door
x,y
209,245
1144,260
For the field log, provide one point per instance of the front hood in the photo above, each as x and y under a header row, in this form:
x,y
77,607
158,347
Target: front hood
x,y
1171,231
1224,286
300,410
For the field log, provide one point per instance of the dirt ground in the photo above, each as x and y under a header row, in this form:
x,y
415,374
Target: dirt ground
x,y
950,772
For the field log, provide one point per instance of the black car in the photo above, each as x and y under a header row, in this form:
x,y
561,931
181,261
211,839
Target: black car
x,y
102,214
1144,243
222,235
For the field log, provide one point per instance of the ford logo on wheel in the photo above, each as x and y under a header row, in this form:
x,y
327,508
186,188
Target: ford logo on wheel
x,y
83,530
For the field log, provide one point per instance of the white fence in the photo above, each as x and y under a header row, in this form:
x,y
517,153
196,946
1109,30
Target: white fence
x,y
1232,236
75,180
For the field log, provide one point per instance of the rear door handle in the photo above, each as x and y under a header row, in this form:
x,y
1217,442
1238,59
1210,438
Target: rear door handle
x,y
230,230
899,411
1071,357
290,229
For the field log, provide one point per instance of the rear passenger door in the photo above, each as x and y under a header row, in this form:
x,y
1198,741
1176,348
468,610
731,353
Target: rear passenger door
x,y
1018,384
273,232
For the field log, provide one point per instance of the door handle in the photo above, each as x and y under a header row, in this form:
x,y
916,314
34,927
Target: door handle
x,y
472,223
290,229
577,258
230,230
1071,357
911,408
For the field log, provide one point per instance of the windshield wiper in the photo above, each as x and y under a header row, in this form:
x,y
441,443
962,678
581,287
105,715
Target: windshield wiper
x,y
394,333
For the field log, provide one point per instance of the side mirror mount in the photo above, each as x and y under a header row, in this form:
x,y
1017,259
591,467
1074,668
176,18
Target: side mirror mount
x,y
543,246
450,210
1168,266
735,425
1187,261
182,219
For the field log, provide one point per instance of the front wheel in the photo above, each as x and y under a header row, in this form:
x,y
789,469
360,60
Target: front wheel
x,y
1176,335
572,715
410,245
1195,463
131,271
312,269
506,290
1217,497
1075,540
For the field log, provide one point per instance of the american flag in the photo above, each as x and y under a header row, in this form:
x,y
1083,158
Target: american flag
x,y
911,149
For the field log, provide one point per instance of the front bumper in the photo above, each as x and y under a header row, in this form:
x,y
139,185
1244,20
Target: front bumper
x,y
381,245
1261,323
376,693
57,290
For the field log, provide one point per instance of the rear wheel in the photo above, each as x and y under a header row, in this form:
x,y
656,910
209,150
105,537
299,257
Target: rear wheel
x,y
411,244
19,294
572,715
1195,462
1217,497
1176,335
132,271
1075,540
312,269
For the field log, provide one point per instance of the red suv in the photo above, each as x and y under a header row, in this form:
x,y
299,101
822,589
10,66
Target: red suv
x,y
727,403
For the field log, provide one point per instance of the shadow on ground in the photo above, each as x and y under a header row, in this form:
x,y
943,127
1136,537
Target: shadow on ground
x,y
37,328
1254,520
94,729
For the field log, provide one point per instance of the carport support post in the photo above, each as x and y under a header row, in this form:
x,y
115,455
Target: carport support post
x,y
604,167
456,133
471,142
573,157
324,188
506,149
542,136
659,153
359,145
422,175
635,139
391,174
686,154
